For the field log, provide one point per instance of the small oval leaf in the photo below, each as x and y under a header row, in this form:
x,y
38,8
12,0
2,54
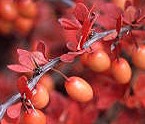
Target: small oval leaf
x,y
19,68
81,11
68,24
14,110
67,57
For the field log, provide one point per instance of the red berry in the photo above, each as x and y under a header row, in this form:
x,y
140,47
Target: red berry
x,y
121,70
79,89
138,57
41,97
23,25
33,117
5,27
84,59
99,61
8,10
47,82
27,8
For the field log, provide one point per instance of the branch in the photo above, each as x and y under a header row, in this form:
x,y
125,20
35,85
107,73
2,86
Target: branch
x,y
33,81
99,36
68,3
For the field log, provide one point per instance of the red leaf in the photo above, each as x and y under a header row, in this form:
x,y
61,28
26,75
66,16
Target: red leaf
x,y
70,56
68,24
85,16
85,32
22,52
129,14
81,12
14,110
28,61
86,28
106,22
23,87
71,35
19,68
39,58
110,10
25,58
72,46
118,24
41,47
67,57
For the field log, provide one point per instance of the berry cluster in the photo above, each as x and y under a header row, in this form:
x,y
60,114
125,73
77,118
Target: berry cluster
x,y
120,69
17,16
38,100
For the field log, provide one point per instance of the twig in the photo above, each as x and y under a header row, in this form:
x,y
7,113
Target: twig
x,y
99,36
69,3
